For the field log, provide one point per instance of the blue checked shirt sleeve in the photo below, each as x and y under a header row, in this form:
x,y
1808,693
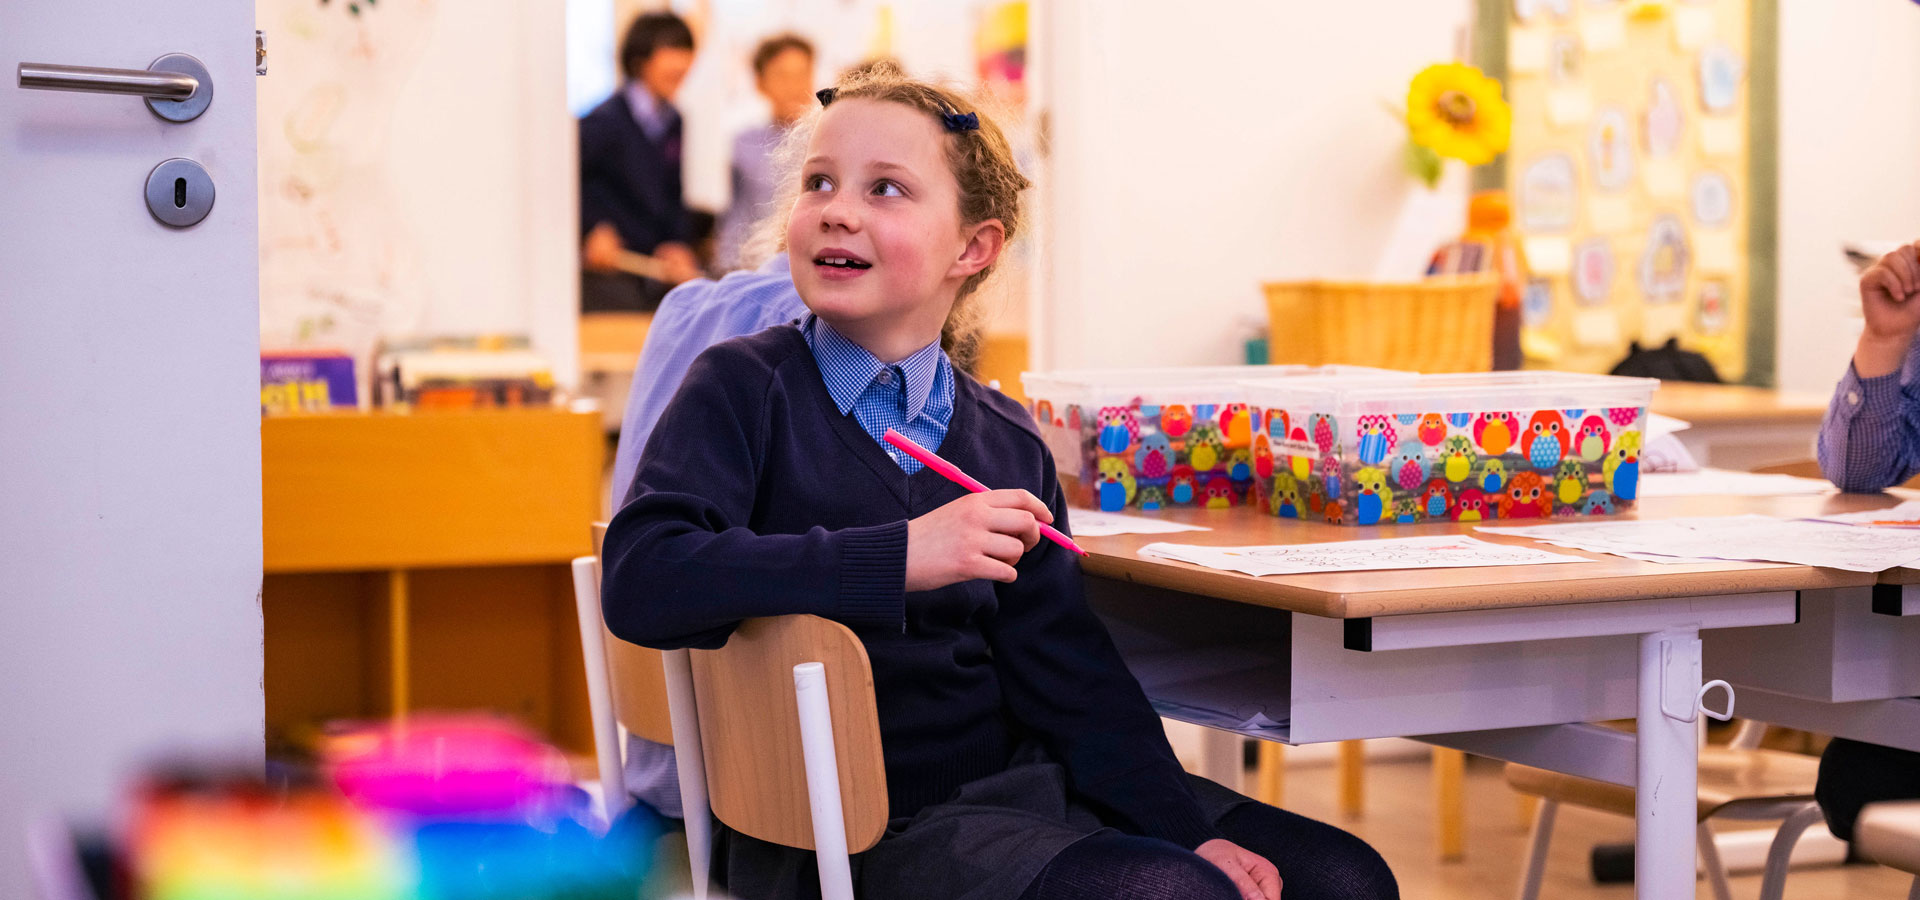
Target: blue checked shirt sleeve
x,y
1870,439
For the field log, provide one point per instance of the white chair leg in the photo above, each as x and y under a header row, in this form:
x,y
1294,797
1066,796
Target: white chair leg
x,y
1773,884
1710,860
1537,844
606,729
823,781
690,762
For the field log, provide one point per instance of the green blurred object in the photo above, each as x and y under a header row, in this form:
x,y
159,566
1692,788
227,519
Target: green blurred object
x,y
1257,350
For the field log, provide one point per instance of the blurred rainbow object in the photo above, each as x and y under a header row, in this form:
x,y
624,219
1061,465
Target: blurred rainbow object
x,y
436,808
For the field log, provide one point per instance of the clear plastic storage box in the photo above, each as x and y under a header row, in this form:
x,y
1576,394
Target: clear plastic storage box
x,y
1152,438
1474,447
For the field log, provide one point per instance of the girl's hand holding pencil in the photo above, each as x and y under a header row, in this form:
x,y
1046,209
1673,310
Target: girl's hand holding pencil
x,y
980,536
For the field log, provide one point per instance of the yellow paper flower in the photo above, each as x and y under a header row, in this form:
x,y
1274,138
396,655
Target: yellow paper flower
x,y
1456,111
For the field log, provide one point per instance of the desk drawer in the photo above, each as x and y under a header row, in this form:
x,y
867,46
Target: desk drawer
x,y
1220,663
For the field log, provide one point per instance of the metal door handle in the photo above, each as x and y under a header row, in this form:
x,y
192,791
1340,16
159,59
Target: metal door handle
x,y
177,87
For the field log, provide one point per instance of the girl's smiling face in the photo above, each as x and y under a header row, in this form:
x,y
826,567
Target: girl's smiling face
x,y
875,237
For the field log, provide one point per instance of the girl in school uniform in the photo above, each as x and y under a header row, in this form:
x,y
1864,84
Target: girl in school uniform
x,y
1023,760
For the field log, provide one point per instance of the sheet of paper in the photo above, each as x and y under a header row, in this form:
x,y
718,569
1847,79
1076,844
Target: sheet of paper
x,y
1719,137
1716,252
1906,515
1528,50
1602,30
1741,538
1665,179
1569,106
1659,425
1665,453
1692,26
1549,255
1091,523
1727,483
1433,552
1609,215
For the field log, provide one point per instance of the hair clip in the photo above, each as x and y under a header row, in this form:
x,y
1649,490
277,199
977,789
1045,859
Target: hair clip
x,y
825,95
961,121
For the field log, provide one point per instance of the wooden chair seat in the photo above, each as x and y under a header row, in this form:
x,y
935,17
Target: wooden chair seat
x,y
1728,777
1889,833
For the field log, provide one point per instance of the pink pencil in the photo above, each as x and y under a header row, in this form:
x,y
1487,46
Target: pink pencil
x,y
953,474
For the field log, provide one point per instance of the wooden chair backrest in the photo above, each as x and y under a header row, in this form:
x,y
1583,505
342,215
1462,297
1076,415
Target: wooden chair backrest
x,y
750,728
638,677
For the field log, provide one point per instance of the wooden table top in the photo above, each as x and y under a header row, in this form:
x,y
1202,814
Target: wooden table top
x,y
1737,404
1386,593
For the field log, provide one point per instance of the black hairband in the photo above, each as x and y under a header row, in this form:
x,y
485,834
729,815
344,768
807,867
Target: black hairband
x,y
953,120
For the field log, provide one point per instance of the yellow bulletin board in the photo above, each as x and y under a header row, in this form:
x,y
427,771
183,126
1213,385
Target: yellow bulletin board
x,y
1632,176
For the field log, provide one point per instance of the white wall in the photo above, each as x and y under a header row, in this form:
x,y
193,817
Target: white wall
x,y
1199,150
1849,125
418,174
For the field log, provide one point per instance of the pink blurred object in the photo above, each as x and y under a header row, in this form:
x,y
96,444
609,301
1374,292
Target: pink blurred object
x,y
448,766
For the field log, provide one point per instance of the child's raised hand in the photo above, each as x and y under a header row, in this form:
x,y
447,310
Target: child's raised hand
x,y
1890,301
976,536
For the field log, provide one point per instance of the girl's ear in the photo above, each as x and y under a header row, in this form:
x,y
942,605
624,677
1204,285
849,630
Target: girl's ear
x,y
984,241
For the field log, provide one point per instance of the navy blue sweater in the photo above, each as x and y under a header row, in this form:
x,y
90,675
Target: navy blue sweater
x,y
756,497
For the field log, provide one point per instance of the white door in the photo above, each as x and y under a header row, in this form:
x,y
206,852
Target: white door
x,y
129,423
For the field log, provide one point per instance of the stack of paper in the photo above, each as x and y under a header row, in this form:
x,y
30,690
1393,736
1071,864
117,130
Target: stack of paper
x,y
1906,515
1435,552
1726,483
1740,538
1088,523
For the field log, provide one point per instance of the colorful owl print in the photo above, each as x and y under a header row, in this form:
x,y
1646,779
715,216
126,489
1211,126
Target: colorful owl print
x,y
1630,441
1203,447
1546,438
1373,497
1622,471
1494,432
1407,510
1459,420
1152,496
1043,412
1316,496
1118,428
1570,482
1437,498
1330,474
1240,465
1301,464
1623,416
1527,497
1407,419
1334,513
1323,433
1377,437
1262,457
1236,425
1470,506
1433,429
1180,486
1286,496
1592,441
1493,476
1073,416
1409,465
1457,458
1154,459
1278,424
1219,492
1116,484
1175,421
1598,503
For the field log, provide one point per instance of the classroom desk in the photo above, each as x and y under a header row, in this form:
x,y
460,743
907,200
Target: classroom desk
x,y
1504,662
1741,427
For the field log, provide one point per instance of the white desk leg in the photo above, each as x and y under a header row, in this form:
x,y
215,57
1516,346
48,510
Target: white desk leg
x,y
1669,761
1222,757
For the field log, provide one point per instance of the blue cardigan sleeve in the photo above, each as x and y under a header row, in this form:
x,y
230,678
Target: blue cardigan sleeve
x,y
680,566
1063,679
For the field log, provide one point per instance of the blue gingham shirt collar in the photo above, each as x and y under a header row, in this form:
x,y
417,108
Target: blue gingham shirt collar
x,y
849,370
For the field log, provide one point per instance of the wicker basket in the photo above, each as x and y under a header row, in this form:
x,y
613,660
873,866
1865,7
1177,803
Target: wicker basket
x,y
1439,325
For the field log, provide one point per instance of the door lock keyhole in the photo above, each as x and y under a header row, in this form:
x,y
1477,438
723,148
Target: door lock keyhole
x,y
179,193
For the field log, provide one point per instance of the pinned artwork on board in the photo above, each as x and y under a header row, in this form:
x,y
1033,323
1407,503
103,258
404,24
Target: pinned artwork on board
x,y
1563,61
1664,120
1663,265
1712,199
1593,271
1547,194
1710,310
1610,149
1536,303
1720,72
